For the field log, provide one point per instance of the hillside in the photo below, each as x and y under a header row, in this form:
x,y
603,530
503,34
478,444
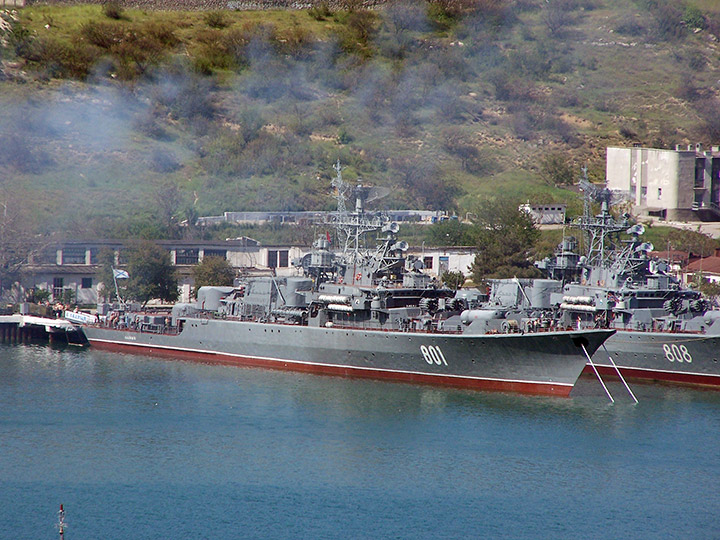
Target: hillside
x,y
124,122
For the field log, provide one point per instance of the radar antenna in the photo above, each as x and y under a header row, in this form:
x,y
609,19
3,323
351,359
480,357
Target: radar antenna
x,y
601,231
353,226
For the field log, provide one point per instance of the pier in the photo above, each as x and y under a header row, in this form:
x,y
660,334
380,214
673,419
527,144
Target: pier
x,y
24,329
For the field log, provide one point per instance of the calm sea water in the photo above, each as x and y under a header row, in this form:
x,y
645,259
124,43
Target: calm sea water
x,y
142,448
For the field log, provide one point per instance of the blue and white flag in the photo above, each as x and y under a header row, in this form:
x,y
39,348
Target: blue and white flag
x,y
120,274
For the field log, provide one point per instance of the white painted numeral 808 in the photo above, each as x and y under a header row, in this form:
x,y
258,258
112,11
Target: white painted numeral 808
x,y
433,355
677,354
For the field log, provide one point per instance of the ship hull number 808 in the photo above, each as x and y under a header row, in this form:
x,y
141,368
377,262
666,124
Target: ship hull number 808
x,y
677,354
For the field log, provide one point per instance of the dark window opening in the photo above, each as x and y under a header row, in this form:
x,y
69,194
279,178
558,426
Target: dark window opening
x,y
187,256
222,253
73,255
57,287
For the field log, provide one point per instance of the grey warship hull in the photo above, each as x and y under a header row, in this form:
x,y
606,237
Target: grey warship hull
x,y
542,363
686,358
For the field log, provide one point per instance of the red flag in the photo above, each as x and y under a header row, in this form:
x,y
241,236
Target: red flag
x,y
327,235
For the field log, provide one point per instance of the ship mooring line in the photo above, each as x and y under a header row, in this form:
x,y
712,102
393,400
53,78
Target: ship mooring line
x,y
619,374
597,373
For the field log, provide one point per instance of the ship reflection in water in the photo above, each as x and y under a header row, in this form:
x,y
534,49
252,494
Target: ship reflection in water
x,y
187,449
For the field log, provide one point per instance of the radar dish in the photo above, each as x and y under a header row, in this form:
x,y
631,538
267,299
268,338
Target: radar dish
x,y
637,230
645,246
401,246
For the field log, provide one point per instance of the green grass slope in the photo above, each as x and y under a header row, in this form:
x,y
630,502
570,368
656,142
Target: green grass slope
x,y
124,123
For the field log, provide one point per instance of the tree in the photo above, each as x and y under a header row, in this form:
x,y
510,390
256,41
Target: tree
x,y
213,271
17,240
505,239
106,289
451,232
454,279
693,242
151,273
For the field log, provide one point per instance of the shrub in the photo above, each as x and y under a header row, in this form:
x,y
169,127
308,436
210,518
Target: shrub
x,y
627,132
63,60
23,42
164,161
215,19
102,34
161,31
343,137
320,11
693,17
696,61
113,10
630,27
686,89
709,112
667,19
292,41
355,36
556,169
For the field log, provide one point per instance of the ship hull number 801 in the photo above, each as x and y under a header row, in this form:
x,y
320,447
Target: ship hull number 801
x,y
433,355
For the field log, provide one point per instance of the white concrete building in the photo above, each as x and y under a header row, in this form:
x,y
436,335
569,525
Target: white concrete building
x,y
545,214
680,185
74,265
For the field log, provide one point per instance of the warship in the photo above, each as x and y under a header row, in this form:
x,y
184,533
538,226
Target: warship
x,y
664,331
367,311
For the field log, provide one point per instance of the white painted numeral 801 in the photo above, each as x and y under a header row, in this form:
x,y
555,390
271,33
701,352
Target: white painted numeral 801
x,y
677,354
433,355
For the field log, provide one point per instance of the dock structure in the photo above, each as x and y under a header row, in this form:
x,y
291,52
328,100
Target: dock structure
x,y
23,329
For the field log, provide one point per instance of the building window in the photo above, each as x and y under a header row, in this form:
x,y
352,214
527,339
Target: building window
x,y
73,255
57,287
700,173
187,256
94,255
659,193
222,253
444,264
86,283
428,262
277,258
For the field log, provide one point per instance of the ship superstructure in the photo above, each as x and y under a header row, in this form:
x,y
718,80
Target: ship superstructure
x,y
366,311
664,330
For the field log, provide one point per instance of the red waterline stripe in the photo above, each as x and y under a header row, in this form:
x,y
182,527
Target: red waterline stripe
x,y
550,389
657,375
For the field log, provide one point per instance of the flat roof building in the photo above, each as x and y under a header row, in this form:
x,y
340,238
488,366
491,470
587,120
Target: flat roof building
x,y
677,185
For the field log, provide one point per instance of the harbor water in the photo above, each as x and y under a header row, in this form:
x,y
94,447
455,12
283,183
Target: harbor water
x,y
144,448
